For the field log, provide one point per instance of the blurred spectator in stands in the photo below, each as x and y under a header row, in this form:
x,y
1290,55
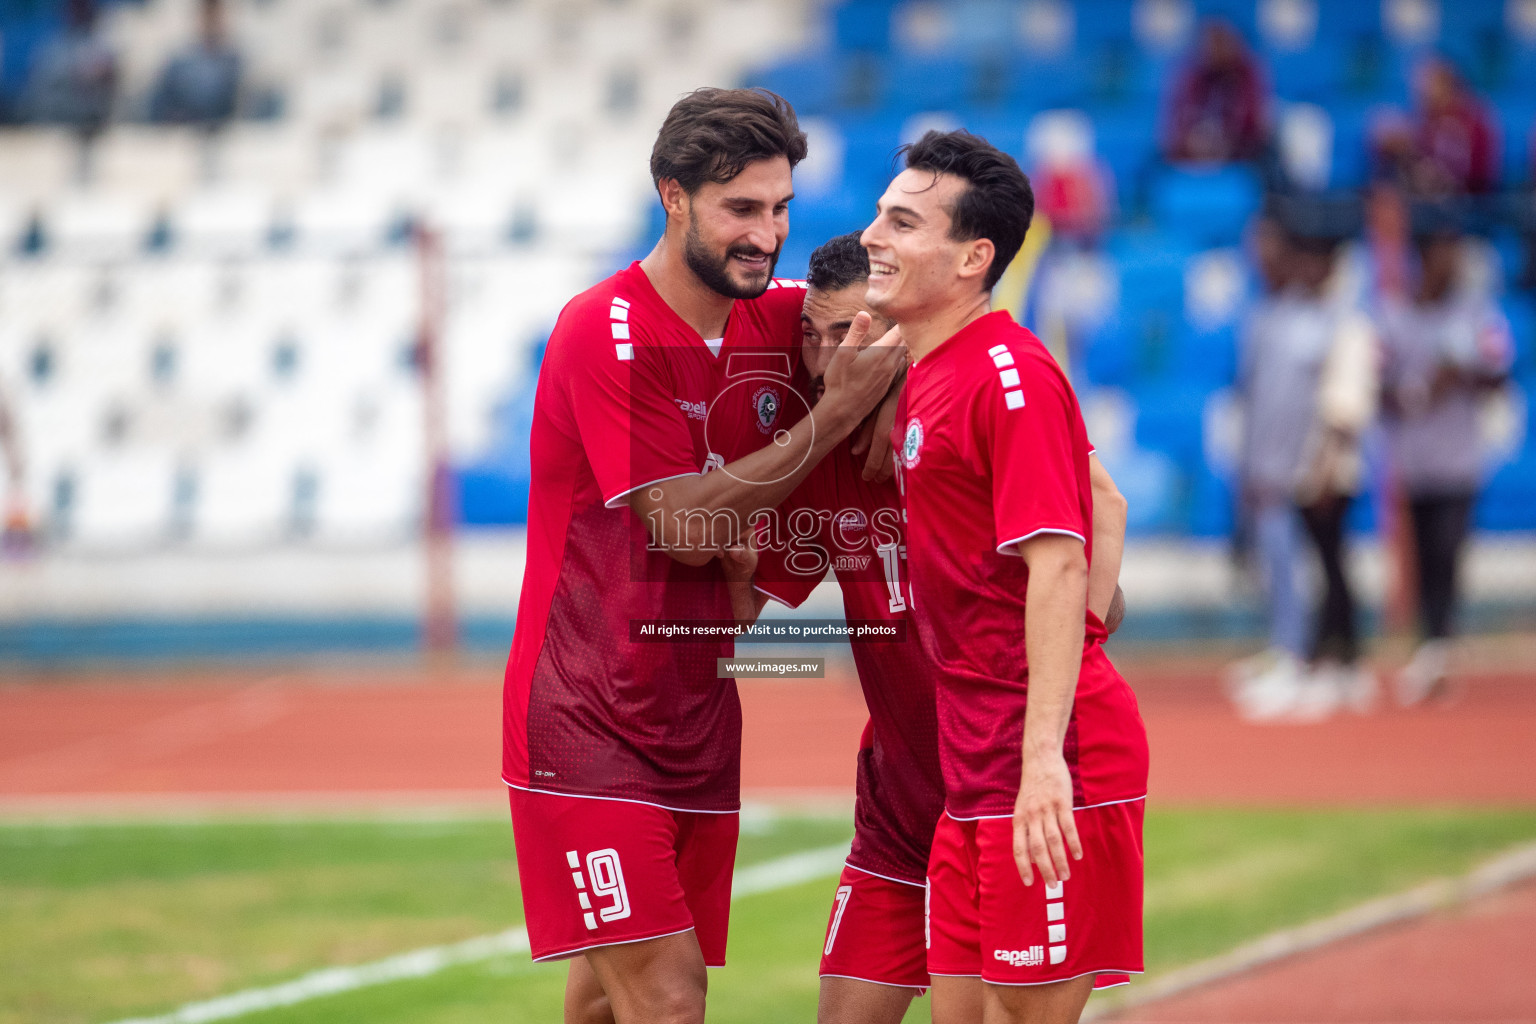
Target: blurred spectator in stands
x,y
74,78
201,84
1219,106
1449,147
1072,187
1446,348
1307,382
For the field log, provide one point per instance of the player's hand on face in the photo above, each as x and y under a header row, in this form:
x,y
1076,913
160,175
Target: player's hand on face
x,y
859,375
1044,832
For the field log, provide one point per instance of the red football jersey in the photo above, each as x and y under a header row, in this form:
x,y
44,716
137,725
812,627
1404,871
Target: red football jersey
x,y
836,519
992,452
630,395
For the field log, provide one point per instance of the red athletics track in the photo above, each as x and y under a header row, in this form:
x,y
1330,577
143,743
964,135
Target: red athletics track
x,y
396,736
393,735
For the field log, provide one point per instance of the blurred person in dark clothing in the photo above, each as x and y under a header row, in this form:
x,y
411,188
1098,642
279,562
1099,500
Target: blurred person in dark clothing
x,y
74,79
1446,347
201,84
1219,107
1308,386
1448,147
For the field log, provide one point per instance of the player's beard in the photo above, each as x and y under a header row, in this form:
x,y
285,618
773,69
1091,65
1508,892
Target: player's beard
x,y
713,269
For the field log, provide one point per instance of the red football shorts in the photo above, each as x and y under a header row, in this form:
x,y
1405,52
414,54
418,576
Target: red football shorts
x,y
875,932
983,920
603,872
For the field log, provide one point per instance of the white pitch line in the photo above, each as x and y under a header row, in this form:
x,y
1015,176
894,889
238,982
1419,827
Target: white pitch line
x,y
1507,869
782,873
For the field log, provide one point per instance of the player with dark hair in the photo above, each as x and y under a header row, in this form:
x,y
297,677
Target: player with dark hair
x,y
997,480
659,426
874,958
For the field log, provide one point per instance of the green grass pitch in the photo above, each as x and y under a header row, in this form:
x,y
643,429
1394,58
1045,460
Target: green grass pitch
x,y
104,921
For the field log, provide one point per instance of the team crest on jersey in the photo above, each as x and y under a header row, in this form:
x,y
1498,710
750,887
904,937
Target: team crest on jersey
x,y
767,402
912,446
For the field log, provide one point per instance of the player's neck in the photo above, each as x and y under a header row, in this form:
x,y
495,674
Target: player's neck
x,y
927,332
699,306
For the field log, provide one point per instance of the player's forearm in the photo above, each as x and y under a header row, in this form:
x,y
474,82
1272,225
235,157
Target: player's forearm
x,y
692,517
1109,518
1053,645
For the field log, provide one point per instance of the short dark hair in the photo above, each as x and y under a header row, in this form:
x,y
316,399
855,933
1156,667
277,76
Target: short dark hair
x,y
997,204
838,263
710,135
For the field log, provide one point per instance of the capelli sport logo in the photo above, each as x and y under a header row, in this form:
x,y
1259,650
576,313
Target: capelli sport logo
x,y
1034,956
912,446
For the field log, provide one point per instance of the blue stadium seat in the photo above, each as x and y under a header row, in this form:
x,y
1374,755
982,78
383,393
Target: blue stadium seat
x,y
1351,143
1212,504
1103,21
1127,141
1521,311
1171,421
1337,20
1516,121
1467,19
914,84
1213,204
1314,74
1242,14
1032,83
862,25
812,82
1205,358
869,154
1509,500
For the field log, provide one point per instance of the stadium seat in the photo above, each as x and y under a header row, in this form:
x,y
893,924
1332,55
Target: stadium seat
x,y
344,221
1286,26
929,82
244,497
368,495
153,164
223,221
1212,204
38,163
862,25
122,499
98,225
1304,139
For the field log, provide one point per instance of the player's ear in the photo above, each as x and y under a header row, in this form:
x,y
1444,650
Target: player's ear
x,y
976,257
673,197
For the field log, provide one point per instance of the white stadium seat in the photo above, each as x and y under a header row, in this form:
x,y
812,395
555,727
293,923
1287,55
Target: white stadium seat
x,y
244,497
123,499
230,220
98,225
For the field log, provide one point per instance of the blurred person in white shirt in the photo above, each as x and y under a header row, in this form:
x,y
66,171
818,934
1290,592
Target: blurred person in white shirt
x,y
1308,383
1446,347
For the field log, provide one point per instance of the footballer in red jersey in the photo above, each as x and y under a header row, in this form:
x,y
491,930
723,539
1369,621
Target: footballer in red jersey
x,y
662,419
874,959
996,472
